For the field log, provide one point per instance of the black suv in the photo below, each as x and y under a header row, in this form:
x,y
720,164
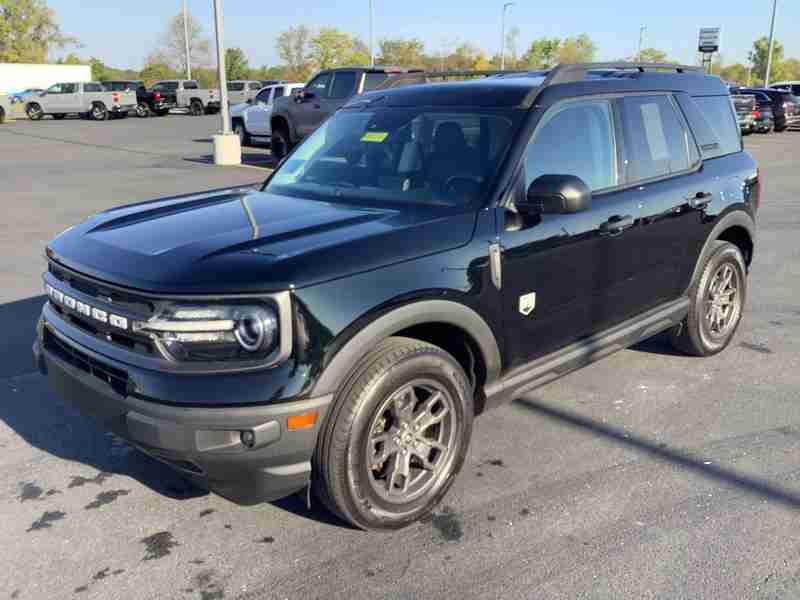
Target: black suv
x,y
295,117
429,253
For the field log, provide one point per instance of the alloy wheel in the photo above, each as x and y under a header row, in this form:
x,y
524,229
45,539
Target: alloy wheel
x,y
723,301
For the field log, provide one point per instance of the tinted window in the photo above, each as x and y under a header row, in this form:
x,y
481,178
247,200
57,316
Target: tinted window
x,y
255,86
279,92
55,89
190,85
166,86
574,139
69,88
399,156
373,80
655,140
718,113
319,85
344,84
263,96
235,87
92,87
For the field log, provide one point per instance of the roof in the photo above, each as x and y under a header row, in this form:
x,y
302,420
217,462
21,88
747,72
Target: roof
x,y
521,90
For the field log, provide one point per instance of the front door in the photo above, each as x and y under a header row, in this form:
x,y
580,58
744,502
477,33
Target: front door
x,y
257,116
567,276
308,109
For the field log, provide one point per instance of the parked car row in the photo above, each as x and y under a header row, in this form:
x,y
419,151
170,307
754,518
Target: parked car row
x,y
765,110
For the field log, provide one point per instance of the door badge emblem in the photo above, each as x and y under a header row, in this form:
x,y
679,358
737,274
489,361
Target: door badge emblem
x,y
527,303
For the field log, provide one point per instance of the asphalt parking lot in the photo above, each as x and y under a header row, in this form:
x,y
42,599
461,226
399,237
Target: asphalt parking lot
x,y
647,475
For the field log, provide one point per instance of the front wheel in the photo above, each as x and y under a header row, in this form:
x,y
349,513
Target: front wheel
x,y
196,108
716,303
240,130
34,112
280,144
142,110
396,436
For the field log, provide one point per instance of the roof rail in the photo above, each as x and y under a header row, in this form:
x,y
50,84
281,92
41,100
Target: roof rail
x,y
577,72
398,80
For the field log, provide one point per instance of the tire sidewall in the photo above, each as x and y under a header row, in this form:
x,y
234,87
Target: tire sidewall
x,y
364,505
36,110
142,110
280,141
726,253
102,116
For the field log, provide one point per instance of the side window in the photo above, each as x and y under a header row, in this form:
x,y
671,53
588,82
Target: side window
x,y
655,140
263,96
374,80
92,87
236,86
279,91
190,85
70,88
55,89
319,85
574,139
344,84
718,113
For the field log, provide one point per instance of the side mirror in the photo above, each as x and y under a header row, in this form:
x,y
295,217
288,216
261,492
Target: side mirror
x,y
557,195
249,101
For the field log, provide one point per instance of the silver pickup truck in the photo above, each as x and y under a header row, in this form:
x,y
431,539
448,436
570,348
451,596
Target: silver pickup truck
x,y
189,95
82,98
5,108
240,92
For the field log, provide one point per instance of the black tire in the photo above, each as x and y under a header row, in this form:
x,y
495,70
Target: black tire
x,y
196,108
142,110
240,130
375,416
712,303
59,116
210,110
98,112
2,115
34,112
280,143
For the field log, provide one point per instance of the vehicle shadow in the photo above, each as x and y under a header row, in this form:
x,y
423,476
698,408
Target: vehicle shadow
x,y
249,159
687,460
658,344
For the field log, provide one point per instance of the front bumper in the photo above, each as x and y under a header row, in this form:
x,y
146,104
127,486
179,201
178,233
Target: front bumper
x,y
205,444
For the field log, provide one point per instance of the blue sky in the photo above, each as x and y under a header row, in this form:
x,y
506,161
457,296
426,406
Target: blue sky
x,y
123,33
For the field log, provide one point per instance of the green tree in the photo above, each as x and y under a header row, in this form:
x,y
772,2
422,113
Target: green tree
x,y
541,54
579,49
652,55
464,57
758,58
293,48
173,44
359,54
71,59
29,31
401,52
330,48
790,69
156,69
512,48
735,73
236,64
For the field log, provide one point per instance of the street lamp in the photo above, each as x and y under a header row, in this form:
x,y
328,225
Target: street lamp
x,y
371,20
186,40
227,147
771,43
506,6
642,30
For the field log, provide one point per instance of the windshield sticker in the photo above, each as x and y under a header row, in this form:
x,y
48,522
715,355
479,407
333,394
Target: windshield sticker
x,y
375,136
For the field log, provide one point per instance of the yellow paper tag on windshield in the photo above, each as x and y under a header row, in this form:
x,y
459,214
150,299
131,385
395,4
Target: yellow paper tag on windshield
x,y
374,136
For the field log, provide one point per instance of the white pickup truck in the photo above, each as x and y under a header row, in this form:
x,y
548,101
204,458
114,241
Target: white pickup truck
x,y
242,91
189,95
82,98
252,119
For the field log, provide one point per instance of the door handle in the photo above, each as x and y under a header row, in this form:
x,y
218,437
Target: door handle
x,y
616,225
317,106
700,199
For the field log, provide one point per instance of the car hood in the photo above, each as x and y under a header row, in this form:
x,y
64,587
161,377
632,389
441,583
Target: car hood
x,y
238,109
241,240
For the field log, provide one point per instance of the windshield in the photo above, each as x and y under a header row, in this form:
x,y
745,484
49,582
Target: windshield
x,y
399,155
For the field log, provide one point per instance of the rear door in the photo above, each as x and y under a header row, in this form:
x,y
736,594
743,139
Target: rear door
x,y
341,89
72,98
662,167
578,273
258,114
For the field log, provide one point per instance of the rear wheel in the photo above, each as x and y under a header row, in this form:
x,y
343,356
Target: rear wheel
x,y
196,108
396,436
2,115
716,303
99,112
280,143
142,110
34,112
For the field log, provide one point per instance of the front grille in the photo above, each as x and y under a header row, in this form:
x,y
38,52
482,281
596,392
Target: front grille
x,y
117,379
126,303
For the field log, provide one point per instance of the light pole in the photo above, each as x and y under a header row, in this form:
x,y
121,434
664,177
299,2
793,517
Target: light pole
x,y
186,40
642,30
771,43
371,21
506,6
227,148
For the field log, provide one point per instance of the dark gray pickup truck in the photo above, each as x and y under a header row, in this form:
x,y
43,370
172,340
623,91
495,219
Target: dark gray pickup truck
x,y
295,117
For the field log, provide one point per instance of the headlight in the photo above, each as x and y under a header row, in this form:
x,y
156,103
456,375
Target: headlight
x,y
246,332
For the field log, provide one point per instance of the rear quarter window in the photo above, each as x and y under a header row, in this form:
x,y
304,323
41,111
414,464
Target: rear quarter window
x,y
713,124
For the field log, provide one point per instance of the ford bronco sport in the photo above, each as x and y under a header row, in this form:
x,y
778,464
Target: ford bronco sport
x,y
428,253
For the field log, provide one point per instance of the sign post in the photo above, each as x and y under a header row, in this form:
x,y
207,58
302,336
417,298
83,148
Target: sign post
x,y
708,44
